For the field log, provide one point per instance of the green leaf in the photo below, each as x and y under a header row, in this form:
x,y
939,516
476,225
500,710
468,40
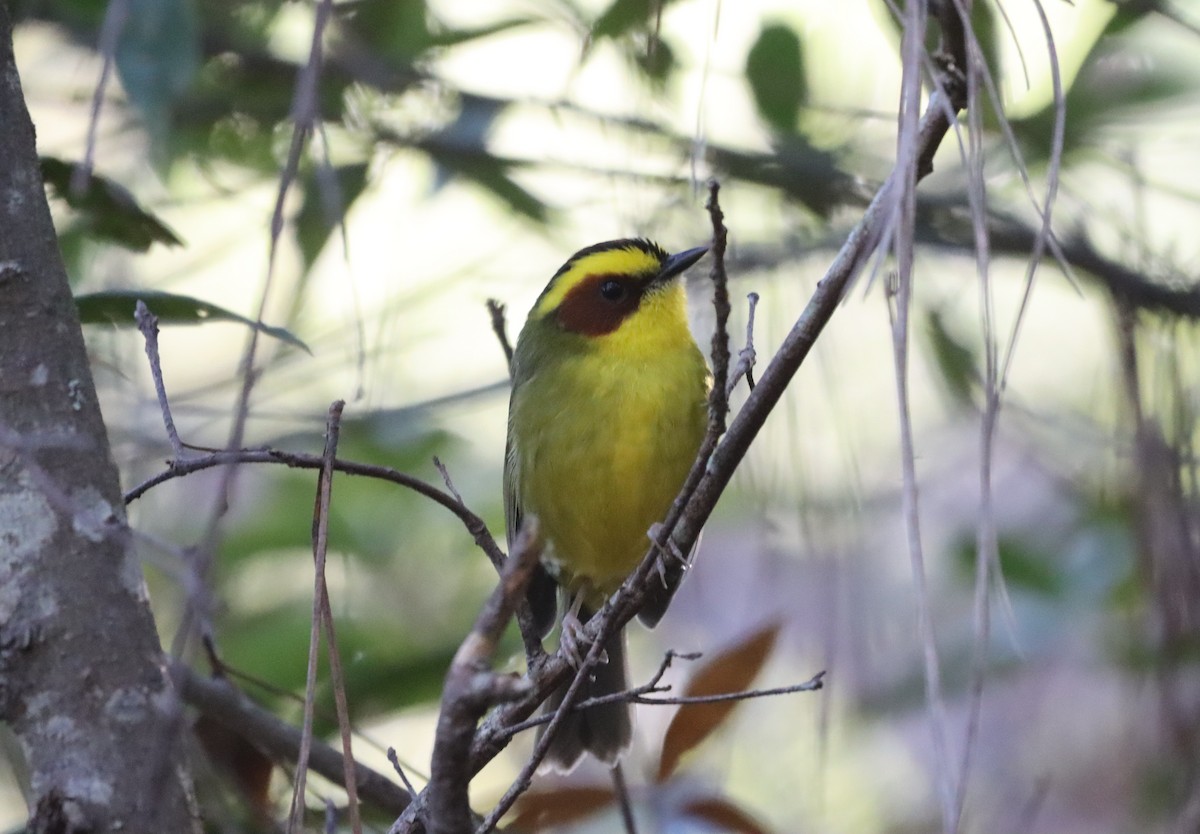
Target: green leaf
x,y
775,70
107,208
623,15
116,307
1120,84
393,29
955,360
656,59
1025,566
157,55
328,195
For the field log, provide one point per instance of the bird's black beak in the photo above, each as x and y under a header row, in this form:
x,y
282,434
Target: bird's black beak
x,y
676,264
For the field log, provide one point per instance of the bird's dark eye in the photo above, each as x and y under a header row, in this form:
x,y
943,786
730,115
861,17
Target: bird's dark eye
x,y
612,290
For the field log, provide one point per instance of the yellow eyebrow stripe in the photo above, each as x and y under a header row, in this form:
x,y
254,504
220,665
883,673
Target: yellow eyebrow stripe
x,y
625,261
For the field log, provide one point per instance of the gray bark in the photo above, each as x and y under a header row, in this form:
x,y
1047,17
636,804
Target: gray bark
x,y
83,684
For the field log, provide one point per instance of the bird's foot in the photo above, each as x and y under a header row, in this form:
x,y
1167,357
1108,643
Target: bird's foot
x,y
572,643
666,549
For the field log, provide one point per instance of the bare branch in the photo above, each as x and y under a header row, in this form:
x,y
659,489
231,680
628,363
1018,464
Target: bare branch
x,y
472,688
718,399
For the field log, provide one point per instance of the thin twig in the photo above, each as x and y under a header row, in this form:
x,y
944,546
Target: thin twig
x,y
395,760
299,460
747,355
147,323
445,473
624,802
813,684
640,695
500,328
630,695
899,308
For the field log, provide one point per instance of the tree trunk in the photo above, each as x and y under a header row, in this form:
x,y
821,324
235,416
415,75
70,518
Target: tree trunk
x,y
82,675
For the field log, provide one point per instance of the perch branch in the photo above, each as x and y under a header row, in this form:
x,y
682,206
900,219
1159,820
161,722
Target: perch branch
x,y
472,688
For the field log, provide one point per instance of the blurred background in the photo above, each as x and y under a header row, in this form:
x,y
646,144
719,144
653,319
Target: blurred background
x,y
462,151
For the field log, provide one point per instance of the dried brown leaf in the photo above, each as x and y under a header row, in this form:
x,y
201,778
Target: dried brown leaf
x,y
240,763
538,810
732,671
723,814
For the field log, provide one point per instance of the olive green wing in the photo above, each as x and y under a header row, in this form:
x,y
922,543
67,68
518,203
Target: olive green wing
x,y
542,593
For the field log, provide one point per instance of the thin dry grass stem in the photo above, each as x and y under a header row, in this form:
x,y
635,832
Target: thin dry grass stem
x,y
319,609
1045,234
901,303
320,553
987,562
304,117
110,31
296,811
986,546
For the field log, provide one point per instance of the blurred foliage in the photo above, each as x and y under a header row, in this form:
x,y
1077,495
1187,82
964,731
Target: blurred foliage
x,y
117,307
212,84
106,209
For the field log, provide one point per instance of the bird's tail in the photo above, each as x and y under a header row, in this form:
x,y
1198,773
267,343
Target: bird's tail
x,y
605,730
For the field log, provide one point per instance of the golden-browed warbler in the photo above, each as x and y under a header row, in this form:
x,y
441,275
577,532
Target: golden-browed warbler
x,y
608,410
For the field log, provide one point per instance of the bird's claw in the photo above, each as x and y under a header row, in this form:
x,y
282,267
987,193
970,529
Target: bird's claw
x,y
571,638
666,548
572,642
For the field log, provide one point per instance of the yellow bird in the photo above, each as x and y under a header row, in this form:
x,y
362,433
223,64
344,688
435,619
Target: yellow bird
x,y
608,410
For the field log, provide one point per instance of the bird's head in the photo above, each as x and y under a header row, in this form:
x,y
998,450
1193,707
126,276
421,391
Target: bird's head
x,y
619,289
